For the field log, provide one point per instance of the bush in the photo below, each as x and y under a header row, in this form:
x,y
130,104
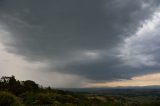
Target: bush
x,y
7,99
44,99
28,98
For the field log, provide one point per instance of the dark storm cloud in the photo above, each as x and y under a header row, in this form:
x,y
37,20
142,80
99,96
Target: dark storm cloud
x,y
75,36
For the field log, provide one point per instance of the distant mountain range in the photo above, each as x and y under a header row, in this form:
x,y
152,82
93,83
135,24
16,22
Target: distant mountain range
x,y
104,89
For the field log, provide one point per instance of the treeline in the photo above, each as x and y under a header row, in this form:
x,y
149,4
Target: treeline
x,y
15,86
19,93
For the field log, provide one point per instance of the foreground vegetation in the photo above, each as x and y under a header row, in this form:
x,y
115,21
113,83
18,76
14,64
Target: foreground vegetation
x,y
28,93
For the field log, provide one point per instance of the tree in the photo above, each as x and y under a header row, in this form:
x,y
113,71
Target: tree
x,y
30,85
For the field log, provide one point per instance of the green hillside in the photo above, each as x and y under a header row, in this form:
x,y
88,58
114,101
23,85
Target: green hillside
x,y
28,93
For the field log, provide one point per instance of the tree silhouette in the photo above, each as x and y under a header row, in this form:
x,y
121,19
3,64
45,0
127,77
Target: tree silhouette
x,y
16,86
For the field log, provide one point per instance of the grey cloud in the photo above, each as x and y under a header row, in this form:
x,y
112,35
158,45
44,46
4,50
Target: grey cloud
x,y
55,30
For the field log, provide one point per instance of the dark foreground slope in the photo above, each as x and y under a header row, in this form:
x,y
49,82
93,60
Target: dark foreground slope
x,y
28,93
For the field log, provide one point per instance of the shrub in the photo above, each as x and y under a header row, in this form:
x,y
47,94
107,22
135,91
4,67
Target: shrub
x,y
7,99
28,98
44,99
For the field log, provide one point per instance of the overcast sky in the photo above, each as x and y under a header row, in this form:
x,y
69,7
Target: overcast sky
x,y
81,43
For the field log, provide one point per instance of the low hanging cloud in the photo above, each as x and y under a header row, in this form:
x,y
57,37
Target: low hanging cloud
x,y
94,39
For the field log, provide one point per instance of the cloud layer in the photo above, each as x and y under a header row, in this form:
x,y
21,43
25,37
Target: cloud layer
x,y
95,39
